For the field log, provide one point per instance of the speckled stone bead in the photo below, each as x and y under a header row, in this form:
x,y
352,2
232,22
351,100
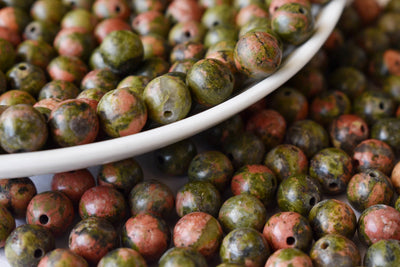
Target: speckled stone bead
x,y
22,129
103,202
122,257
289,257
335,250
308,135
36,52
28,244
167,99
243,210
121,118
212,166
100,78
293,22
349,80
235,247
122,51
182,256
269,125
151,196
67,68
210,82
59,89
198,196
378,222
62,257
372,153
328,105
331,216
368,188
285,160
243,149
73,122
27,77
395,177
290,103
92,238
200,231
148,234
298,193
123,175
7,224
288,230
16,193
257,54
256,180
73,183
174,159
383,253
52,210
347,131
333,168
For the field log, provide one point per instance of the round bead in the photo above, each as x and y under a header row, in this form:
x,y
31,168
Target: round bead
x,y
286,160
28,244
378,222
242,210
22,129
288,230
151,196
333,168
122,257
92,238
298,193
235,247
60,257
52,210
103,202
335,250
331,216
147,234
369,188
16,193
198,196
73,122
73,183
121,118
200,231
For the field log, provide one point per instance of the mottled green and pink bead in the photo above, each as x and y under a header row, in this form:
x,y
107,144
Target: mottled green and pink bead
x,y
243,210
331,216
256,180
121,112
288,230
285,160
122,257
289,257
200,231
62,257
52,210
148,234
368,188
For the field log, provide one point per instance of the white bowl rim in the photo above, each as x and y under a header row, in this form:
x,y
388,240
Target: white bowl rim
x,y
84,156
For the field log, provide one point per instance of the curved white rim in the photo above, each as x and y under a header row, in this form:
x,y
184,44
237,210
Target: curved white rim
x,y
84,156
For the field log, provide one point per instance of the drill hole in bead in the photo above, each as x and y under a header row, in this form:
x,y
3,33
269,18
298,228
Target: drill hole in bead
x,y
32,29
312,201
187,34
324,245
287,93
117,9
381,106
333,185
372,174
168,114
22,67
43,219
290,240
38,253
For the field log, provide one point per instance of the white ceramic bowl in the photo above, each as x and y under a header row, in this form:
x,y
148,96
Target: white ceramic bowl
x,y
78,157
